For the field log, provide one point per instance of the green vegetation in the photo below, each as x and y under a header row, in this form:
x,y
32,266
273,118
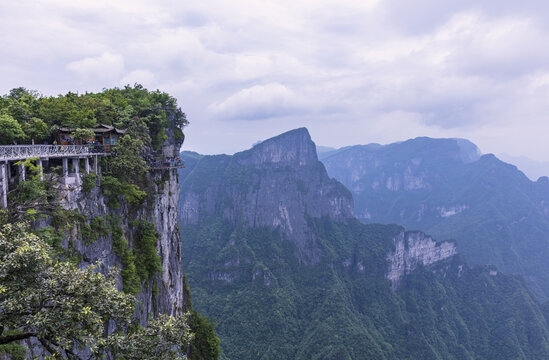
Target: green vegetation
x,y
27,115
147,260
14,350
269,304
205,345
83,135
130,280
12,131
66,308
493,211
89,182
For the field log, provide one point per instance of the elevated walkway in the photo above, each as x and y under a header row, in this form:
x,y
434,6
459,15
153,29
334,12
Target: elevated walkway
x,y
76,153
23,152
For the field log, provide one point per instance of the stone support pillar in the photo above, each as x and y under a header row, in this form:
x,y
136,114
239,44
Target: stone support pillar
x,y
96,164
22,172
8,171
76,166
40,165
87,165
4,175
65,168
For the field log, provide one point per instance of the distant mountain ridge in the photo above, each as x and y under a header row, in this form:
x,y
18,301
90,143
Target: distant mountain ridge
x,y
274,254
444,187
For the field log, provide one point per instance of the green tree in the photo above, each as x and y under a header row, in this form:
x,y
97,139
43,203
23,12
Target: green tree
x,y
127,163
83,134
66,308
11,130
36,129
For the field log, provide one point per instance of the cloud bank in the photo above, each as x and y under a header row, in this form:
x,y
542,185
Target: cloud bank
x,y
351,71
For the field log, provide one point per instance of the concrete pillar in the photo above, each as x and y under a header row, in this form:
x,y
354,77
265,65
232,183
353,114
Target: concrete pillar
x,y
22,172
87,165
76,166
39,163
8,171
4,175
65,168
96,164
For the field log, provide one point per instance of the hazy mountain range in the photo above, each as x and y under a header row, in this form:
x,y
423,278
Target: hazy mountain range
x,y
275,255
446,188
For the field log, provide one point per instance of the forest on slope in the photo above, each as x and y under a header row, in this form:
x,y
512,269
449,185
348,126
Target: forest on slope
x,y
283,288
446,188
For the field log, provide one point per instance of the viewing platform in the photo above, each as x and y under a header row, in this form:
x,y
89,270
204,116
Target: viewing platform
x,y
10,173
23,152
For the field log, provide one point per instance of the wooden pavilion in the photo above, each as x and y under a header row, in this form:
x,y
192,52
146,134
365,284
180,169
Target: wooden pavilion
x,y
104,135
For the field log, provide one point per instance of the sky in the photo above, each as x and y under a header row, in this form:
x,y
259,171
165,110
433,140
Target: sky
x,y
352,72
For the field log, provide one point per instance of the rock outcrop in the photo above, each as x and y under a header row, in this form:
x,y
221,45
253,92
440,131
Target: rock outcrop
x,y
414,248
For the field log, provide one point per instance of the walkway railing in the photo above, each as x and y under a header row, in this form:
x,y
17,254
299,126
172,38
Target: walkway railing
x,y
22,152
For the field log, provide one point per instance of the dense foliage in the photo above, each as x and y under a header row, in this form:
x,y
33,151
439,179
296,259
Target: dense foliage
x,y
128,187
66,308
494,212
270,305
26,115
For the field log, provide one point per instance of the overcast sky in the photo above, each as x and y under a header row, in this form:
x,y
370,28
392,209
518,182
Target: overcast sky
x,y
352,72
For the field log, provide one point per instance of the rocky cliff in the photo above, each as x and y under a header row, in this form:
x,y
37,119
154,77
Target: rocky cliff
x,y
414,248
278,183
164,292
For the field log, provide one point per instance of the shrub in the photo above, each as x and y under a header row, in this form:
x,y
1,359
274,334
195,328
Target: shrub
x,y
89,181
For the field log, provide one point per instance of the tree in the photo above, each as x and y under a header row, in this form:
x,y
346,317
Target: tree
x,y
66,308
83,134
36,129
127,164
11,130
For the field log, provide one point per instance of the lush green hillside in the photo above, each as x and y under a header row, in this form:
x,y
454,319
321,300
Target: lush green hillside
x,y
270,303
124,216
493,211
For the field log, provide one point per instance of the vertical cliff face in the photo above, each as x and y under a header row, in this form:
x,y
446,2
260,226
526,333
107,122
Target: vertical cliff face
x,y
164,292
278,183
170,299
414,248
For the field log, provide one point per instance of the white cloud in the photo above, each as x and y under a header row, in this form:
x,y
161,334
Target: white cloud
x,y
351,71
106,66
260,102
140,76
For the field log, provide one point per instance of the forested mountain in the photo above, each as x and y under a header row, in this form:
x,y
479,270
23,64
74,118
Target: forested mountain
x,y
90,250
444,187
276,257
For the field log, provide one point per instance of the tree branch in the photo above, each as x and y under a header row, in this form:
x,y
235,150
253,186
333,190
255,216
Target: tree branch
x,y
10,338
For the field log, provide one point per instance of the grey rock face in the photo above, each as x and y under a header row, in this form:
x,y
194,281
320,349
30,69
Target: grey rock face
x,y
278,183
413,248
161,211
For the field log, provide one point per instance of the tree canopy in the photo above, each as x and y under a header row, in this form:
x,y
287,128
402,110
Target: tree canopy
x,y
66,308
27,115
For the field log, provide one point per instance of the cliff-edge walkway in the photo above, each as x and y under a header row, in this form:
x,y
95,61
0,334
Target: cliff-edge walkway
x,y
14,153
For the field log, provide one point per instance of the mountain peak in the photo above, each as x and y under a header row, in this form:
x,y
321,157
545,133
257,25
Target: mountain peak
x,y
294,147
